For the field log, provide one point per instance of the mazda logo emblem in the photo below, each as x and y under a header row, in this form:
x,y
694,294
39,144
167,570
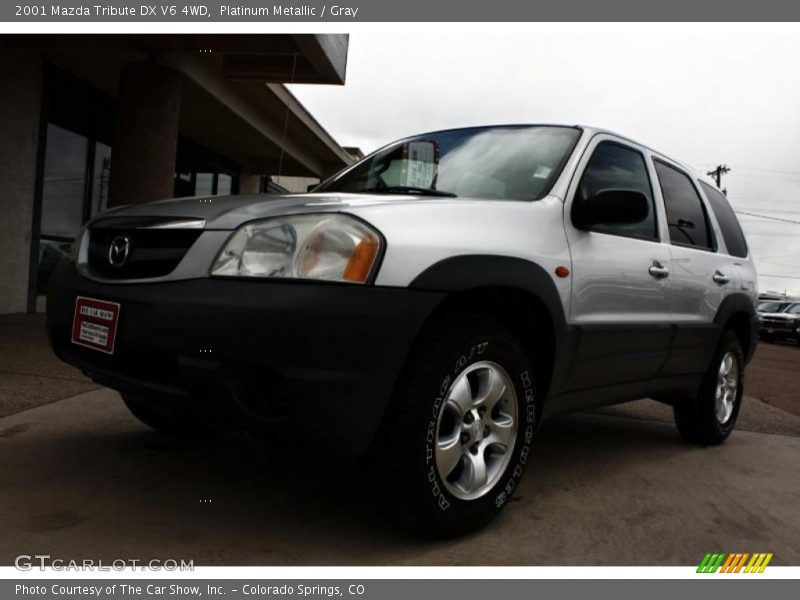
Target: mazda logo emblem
x,y
118,250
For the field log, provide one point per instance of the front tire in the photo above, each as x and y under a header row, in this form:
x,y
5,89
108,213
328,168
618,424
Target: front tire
x,y
710,418
457,435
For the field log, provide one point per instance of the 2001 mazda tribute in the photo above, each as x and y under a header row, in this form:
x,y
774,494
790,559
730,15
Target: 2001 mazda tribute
x,y
431,305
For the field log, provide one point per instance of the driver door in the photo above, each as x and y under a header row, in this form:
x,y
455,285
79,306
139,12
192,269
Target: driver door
x,y
620,302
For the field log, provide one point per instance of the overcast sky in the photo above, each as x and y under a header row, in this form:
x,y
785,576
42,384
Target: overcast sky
x,y
702,99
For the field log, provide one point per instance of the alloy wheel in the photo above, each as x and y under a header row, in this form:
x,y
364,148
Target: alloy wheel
x,y
476,430
727,387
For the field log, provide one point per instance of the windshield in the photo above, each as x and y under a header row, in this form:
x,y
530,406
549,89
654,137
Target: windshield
x,y
505,163
771,307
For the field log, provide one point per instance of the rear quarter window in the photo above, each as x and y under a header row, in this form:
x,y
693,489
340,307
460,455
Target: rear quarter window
x,y
686,215
728,223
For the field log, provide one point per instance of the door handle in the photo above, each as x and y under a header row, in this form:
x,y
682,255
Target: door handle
x,y
658,270
720,278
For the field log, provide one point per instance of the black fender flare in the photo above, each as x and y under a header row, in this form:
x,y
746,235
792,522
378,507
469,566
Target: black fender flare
x,y
739,303
473,271
469,271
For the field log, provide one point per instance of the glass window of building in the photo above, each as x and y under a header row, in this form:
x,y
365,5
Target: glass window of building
x,y
76,165
63,183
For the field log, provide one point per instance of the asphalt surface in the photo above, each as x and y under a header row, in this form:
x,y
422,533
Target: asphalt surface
x,y
774,376
81,478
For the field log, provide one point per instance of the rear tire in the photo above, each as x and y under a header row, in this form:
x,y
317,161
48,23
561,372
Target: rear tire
x,y
175,424
458,432
710,418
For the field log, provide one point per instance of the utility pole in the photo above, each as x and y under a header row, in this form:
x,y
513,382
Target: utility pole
x,y
717,175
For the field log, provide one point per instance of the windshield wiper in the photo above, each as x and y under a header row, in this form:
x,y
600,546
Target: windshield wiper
x,y
408,189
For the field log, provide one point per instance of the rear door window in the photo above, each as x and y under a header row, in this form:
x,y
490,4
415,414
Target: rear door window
x,y
728,223
686,215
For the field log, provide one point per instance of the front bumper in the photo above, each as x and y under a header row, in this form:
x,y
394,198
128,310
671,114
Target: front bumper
x,y
314,359
784,328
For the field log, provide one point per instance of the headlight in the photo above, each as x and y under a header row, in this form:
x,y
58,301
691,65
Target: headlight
x,y
331,247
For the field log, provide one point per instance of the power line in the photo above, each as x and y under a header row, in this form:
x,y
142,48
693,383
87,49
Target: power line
x,y
769,218
771,210
770,170
767,177
702,166
791,201
772,235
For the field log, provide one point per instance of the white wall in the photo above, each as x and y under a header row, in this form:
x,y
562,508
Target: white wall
x,y
296,185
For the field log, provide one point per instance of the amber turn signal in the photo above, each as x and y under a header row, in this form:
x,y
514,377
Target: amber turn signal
x,y
360,264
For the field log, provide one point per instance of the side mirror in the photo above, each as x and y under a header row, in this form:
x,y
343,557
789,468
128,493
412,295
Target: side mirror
x,y
611,207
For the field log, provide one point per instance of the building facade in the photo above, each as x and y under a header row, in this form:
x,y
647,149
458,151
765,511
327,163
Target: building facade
x,y
95,121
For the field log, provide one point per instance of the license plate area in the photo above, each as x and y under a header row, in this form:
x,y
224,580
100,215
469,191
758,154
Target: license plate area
x,y
95,324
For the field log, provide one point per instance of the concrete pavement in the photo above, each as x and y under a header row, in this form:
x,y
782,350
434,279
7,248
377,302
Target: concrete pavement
x,y
30,374
80,478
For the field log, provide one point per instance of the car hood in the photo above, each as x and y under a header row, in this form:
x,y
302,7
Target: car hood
x,y
229,212
784,316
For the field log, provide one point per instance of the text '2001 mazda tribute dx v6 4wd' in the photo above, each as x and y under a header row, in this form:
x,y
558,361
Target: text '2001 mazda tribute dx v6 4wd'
x,y
430,305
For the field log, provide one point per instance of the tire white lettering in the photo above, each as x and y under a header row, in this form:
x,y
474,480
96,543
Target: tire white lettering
x,y
530,417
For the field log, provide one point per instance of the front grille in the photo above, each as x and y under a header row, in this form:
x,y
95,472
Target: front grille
x,y
776,323
151,252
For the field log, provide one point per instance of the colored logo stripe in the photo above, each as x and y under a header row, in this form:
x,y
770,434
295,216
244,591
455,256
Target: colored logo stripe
x,y
758,563
734,563
711,563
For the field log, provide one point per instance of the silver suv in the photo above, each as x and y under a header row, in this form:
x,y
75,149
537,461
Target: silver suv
x,y
779,320
431,305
